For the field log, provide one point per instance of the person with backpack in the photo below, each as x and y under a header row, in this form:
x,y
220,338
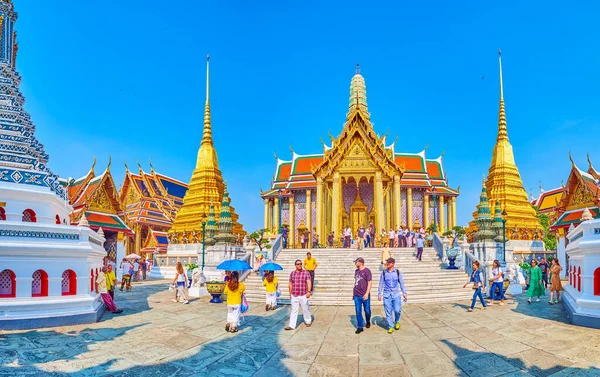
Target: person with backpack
x,y
391,284
497,282
234,290
271,286
478,286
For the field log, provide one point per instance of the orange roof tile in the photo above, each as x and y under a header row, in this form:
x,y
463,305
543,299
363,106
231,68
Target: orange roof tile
x,y
411,163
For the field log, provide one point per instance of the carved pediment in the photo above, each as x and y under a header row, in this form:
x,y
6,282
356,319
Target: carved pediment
x,y
581,197
101,201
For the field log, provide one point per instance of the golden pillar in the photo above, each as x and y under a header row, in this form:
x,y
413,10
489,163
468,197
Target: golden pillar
x,y
138,239
309,216
379,200
453,211
397,203
266,213
270,222
275,225
319,210
449,214
389,216
292,233
409,219
425,211
335,205
442,215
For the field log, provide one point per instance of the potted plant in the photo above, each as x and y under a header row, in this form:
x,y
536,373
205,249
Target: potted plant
x,y
190,267
215,288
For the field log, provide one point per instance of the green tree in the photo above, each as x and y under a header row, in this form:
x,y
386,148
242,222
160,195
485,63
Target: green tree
x,y
549,238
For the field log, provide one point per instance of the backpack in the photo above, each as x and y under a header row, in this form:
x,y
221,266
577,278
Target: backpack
x,y
397,273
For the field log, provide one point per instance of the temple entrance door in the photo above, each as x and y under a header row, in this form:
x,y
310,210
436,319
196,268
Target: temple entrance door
x,y
358,213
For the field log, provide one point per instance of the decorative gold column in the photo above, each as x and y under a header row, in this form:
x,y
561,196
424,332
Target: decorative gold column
x,y
319,210
409,219
379,200
266,213
309,216
389,216
442,215
270,222
397,202
138,239
453,211
335,205
449,213
425,211
275,225
292,233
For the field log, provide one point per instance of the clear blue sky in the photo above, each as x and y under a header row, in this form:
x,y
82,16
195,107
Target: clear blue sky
x,y
126,78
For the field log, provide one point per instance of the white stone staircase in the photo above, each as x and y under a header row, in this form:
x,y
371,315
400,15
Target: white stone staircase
x,y
426,281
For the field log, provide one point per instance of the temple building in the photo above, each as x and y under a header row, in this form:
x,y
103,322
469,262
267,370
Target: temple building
x,y
566,205
505,187
150,202
206,187
97,198
356,180
47,266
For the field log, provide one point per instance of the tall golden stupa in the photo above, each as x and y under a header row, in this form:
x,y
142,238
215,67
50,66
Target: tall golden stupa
x,y
206,186
504,185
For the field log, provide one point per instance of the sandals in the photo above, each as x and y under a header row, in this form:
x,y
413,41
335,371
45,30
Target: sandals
x,y
227,327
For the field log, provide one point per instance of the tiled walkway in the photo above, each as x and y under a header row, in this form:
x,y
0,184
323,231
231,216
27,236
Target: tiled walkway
x,y
154,337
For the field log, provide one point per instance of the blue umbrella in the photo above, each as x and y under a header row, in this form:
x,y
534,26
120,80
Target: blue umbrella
x,y
234,265
271,267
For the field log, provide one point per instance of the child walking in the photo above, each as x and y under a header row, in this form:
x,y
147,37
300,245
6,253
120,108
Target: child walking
x,y
234,290
270,284
180,279
478,286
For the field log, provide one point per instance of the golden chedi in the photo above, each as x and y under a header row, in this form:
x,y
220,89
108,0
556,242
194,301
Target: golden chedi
x,y
505,187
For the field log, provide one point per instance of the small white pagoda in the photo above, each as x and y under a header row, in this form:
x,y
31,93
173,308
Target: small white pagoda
x,y
47,266
582,294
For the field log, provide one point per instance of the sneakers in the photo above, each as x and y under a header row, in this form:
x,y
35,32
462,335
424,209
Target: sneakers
x,y
390,330
551,302
397,326
556,301
173,300
537,299
359,330
529,301
118,311
186,302
491,303
470,309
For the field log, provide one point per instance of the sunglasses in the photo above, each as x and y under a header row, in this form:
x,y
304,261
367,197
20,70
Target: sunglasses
x,y
298,264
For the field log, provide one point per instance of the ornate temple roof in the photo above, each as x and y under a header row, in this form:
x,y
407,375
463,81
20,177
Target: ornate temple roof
x,y
418,171
548,200
155,241
22,157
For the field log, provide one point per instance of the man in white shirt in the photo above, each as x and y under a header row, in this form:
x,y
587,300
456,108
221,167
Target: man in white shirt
x,y
136,270
126,280
392,237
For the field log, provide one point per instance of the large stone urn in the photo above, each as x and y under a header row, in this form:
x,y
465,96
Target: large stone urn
x,y
216,288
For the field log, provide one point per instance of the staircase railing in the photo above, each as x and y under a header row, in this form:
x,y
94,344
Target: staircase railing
x,y
469,259
438,245
248,259
275,249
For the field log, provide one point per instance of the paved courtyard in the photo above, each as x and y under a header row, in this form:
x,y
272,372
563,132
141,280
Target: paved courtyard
x,y
154,337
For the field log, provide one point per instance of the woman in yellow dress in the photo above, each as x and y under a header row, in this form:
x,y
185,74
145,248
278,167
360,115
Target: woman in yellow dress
x,y
270,284
555,284
234,290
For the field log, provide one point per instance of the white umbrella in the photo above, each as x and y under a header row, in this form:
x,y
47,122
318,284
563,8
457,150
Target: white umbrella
x,y
133,256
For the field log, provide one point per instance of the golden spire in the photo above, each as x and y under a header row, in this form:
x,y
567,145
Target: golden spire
x,y
502,132
504,182
358,96
207,156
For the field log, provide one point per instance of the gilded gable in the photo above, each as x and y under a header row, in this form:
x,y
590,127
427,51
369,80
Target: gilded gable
x,y
101,201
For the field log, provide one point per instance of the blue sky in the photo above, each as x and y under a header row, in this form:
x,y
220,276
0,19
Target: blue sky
x,y
126,78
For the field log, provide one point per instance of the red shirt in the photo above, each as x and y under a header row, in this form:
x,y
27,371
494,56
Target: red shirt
x,y
299,284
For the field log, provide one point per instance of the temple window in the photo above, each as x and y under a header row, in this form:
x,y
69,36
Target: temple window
x,y
39,284
2,214
597,282
69,283
58,222
8,284
29,216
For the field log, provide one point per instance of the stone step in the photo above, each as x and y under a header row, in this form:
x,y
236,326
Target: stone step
x,y
319,300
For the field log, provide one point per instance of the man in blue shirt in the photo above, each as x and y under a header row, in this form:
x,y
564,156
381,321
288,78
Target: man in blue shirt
x,y
390,285
420,246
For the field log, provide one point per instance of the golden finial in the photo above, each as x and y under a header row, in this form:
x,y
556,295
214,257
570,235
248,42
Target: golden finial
x,y
109,163
571,158
93,164
562,184
207,134
151,167
540,186
330,136
589,161
357,68
502,130
125,163
140,166
458,189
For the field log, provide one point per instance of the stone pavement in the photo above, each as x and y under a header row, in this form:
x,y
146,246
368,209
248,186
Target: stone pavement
x,y
154,337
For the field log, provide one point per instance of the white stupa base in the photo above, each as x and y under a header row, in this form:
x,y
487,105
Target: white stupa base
x,y
198,292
